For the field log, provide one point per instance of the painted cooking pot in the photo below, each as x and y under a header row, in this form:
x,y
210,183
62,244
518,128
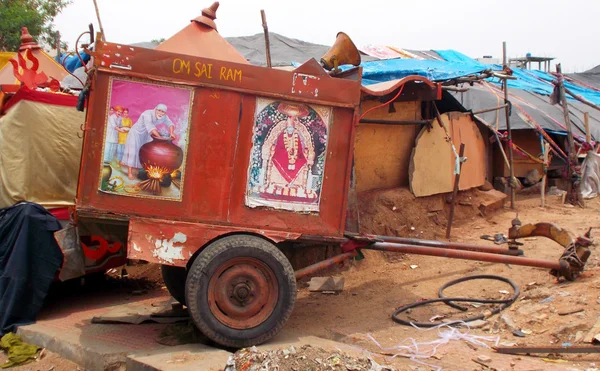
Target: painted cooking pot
x,y
106,172
161,153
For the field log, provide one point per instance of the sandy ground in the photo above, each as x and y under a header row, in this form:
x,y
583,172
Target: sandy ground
x,y
49,362
378,285
360,316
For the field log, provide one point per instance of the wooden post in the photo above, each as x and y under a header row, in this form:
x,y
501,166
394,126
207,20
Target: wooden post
x,y
99,22
586,122
267,44
461,153
545,177
572,155
508,131
58,47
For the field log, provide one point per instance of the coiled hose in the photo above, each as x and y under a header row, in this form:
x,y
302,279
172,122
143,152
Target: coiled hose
x,y
452,302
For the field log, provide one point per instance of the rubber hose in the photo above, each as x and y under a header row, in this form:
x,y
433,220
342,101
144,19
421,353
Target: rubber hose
x,y
450,302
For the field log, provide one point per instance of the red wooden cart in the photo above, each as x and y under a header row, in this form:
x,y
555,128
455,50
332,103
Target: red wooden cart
x,y
206,166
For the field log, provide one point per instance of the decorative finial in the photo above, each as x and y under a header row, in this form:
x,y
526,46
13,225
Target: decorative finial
x,y
208,16
27,41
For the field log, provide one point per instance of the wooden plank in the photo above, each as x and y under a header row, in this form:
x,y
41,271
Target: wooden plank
x,y
382,152
474,169
432,164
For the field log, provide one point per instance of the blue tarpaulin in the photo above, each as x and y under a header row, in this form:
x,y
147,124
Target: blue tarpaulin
x,y
72,62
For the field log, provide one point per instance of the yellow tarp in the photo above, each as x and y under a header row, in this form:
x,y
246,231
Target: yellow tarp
x,y
39,154
5,57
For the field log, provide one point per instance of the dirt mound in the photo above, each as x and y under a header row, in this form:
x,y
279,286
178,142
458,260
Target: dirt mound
x,y
397,212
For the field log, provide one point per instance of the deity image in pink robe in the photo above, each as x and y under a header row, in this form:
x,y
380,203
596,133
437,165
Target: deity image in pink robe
x,y
288,157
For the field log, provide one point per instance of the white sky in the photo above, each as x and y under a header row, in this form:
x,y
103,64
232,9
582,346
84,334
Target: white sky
x,y
473,27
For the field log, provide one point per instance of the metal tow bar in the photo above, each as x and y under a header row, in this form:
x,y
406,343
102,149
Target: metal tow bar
x,y
569,265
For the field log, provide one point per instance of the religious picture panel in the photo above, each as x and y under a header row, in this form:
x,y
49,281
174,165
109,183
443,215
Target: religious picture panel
x,y
145,140
288,155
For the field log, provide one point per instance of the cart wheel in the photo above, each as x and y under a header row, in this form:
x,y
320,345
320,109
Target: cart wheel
x,y
241,290
174,278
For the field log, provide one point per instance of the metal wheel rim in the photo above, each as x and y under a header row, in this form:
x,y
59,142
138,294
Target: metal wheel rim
x,y
242,293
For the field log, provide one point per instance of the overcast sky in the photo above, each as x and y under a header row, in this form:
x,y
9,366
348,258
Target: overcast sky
x,y
473,27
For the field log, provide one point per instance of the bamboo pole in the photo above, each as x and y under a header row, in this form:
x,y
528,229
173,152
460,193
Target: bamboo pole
x,y
545,177
582,99
500,146
99,21
572,155
267,43
508,130
490,109
461,153
586,122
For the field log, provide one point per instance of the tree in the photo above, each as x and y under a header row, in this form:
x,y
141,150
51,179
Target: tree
x,y
36,15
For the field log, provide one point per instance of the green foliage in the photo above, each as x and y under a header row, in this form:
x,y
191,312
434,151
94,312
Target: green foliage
x,y
36,15
158,41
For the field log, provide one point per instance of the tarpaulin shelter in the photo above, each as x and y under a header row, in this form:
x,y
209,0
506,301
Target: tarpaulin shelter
x,y
284,50
47,64
40,149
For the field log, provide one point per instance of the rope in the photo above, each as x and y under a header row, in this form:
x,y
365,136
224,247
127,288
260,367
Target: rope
x,y
384,104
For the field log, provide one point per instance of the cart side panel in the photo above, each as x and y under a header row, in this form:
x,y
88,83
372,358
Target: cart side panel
x,y
220,142
335,181
208,165
209,168
174,243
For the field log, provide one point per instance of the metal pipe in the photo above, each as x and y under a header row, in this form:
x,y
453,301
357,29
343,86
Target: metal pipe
x,y
450,245
490,109
556,349
467,255
395,122
325,264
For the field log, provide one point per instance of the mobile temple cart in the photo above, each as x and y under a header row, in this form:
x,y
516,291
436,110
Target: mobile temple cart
x,y
206,166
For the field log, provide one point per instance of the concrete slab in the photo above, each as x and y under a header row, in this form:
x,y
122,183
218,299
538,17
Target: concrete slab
x,y
191,357
202,357
65,327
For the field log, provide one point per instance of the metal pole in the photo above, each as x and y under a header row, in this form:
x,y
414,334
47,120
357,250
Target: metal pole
x,y
509,133
267,44
467,255
395,122
446,245
325,264
99,21
461,153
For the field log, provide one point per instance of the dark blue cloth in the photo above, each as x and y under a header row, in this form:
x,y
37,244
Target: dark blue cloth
x,y
29,261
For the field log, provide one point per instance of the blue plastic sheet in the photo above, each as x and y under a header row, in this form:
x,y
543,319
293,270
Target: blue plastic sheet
x,y
457,65
72,62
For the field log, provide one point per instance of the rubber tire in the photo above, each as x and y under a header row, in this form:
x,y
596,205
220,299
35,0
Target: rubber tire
x,y
174,278
218,253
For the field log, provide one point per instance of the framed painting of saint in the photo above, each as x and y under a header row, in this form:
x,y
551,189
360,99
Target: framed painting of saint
x,y
145,140
287,162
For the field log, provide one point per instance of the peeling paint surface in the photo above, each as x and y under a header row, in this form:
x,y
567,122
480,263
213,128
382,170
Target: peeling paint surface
x,y
136,248
167,251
